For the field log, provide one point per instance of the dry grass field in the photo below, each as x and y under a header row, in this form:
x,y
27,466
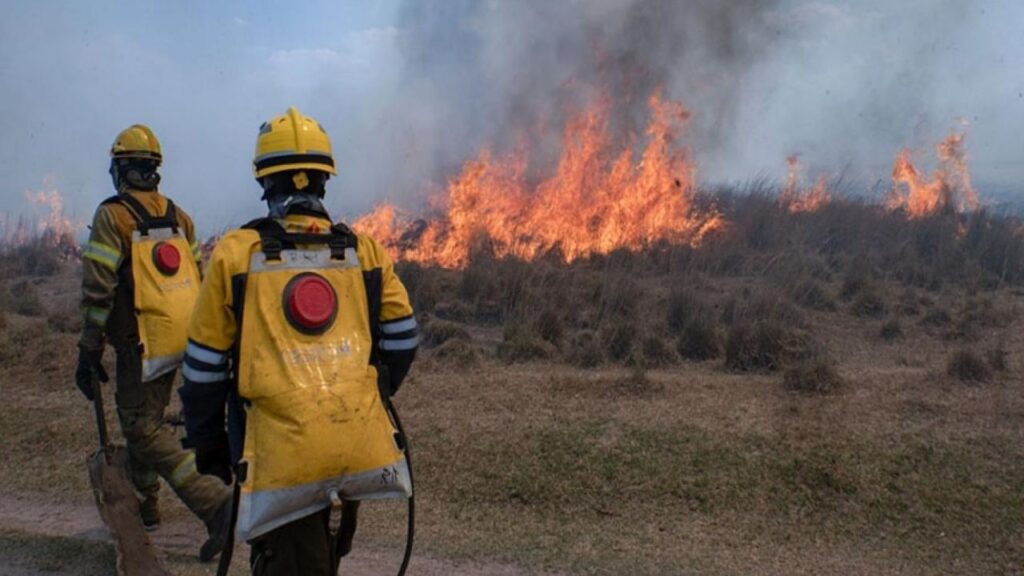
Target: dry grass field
x,y
837,392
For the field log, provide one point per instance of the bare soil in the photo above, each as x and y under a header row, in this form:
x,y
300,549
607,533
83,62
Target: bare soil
x,y
36,528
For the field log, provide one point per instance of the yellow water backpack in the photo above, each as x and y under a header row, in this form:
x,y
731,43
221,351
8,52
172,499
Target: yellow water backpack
x,y
315,418
165,283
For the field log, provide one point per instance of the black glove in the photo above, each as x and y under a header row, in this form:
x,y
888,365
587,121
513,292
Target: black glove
x,y
394,370
213,457
90,366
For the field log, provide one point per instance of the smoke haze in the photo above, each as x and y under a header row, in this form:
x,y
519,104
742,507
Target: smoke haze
x,y
410,90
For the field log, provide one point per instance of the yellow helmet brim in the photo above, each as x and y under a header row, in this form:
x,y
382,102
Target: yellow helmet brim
x,y
267,171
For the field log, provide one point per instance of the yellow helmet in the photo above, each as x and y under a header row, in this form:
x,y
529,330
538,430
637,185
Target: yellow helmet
x,y
292,142
136,141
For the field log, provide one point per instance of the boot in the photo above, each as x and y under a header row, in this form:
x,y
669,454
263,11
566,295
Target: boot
x,y
217,528
150,512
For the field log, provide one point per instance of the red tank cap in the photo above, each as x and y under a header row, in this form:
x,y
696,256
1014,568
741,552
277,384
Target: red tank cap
x,y
167,258
310,303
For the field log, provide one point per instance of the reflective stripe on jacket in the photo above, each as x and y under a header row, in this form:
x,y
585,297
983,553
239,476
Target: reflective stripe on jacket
x,y
107,300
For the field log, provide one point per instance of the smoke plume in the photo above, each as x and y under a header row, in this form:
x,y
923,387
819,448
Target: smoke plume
x,y
846,86
491,74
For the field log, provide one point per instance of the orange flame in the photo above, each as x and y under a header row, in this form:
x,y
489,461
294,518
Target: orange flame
x,y
948,188
596,201
803,200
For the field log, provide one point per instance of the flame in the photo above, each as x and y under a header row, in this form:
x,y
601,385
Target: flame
x,y
53,228
596,200
803,200
948,188
380,225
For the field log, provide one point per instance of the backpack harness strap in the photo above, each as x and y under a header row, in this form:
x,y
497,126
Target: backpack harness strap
x,y
144,221
274,238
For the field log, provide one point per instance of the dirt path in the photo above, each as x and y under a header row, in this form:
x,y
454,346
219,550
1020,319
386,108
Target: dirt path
x,y
178,539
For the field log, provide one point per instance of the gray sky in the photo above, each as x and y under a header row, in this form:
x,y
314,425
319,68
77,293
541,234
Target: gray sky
x,y
408,90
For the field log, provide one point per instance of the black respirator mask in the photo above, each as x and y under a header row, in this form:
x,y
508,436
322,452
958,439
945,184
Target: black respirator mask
x,y
134,173
287,192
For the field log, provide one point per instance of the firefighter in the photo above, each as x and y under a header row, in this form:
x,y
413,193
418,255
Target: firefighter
x,y
140,277
301,333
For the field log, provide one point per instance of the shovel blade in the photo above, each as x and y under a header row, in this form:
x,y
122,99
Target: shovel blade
x,y
119,509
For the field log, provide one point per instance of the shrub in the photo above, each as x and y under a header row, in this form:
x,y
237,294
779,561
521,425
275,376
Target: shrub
x,y
22,339
853,284
997,359
423,285
66,322
699,339
656,352
37,258
636,383
811,294
867,302
764,306
23,298
730,312
751,347
585,350
910,302
963,329
521,344
457,311
936,317
619,340
457,352
766,329
620,298
683,305
816,374
476,282
437,332
692,320
548,325
967,366
891,330
983,312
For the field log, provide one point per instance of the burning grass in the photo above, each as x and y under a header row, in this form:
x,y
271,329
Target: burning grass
x,y
598,198
758,297
948,189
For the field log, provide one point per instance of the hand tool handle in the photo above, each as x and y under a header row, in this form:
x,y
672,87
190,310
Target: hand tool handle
x,y
101,417
224,564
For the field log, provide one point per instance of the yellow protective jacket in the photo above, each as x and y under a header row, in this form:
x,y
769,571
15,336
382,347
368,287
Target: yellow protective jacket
x,y
108,298
291,335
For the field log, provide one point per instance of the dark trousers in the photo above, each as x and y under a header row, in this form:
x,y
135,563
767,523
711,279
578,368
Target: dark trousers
x,y
304,546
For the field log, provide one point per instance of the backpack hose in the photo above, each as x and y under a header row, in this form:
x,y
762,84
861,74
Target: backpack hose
x,y
410,533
